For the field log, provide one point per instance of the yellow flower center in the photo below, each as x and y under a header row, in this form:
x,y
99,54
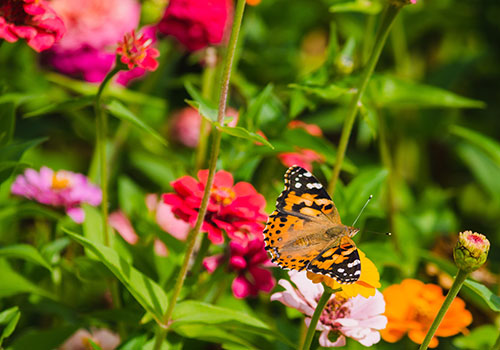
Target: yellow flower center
x,y
60,181
223,195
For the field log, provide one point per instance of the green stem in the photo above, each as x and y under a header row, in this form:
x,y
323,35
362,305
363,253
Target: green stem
x,y
160,334
452,293
191,239
388,17
101,132
317,313
206,91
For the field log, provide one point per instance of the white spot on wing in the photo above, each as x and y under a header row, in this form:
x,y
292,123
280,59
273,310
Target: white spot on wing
x,y
298,185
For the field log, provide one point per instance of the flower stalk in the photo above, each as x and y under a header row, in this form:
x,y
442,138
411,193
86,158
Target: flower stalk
x,y
101,132
452,293
217,134
317,313
388,17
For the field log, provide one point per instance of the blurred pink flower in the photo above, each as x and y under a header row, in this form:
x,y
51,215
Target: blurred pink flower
x,y
302,157
186,124
137,51
358,318
248,260
312,129
237,209
106,339
94,29
196,24
166,219
33,20
120,222
60,189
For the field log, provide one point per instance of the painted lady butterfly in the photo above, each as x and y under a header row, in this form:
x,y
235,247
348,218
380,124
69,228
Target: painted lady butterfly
x,y
305,232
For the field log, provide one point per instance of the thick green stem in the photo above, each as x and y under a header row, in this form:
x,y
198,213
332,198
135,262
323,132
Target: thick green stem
x,y
388,17
317,313
452,293
191,239
101,132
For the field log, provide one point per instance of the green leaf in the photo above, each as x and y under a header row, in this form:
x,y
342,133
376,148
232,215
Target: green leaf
x,y
207,109
482,166
387,91
245,134
491,299
361,6
13,153
119,110
480,338
13,283
26,252
70,104
7,122
147,293
256,105
488,145
9,318
331,92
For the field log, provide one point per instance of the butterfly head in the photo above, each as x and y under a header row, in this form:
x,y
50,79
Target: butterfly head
x,y
351,231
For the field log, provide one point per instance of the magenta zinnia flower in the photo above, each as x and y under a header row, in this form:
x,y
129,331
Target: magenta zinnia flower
x,y
137,51
196,24
33,20
249,260
358,318
59,189
235,208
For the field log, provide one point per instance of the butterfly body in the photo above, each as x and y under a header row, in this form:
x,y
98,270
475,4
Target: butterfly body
x,y
305,231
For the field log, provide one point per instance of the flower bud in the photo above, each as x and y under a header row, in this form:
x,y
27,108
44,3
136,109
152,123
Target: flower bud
x,y
471,251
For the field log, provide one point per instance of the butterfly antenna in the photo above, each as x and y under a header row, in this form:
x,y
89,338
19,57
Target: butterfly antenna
x,y
361,211
381,233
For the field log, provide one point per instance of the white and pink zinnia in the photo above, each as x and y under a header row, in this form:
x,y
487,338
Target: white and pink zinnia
x,y
59,189
358,318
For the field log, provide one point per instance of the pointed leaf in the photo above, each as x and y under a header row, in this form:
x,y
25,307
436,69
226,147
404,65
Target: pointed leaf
x,y
491,299
245,134
489,145
9,318
330,92
146,291
71,104
119,110
26,252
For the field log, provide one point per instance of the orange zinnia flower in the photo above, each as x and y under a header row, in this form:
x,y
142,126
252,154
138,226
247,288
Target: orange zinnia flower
x,y
366,285
412,306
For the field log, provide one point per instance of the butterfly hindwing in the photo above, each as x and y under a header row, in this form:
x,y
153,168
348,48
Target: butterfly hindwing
x,y
339,262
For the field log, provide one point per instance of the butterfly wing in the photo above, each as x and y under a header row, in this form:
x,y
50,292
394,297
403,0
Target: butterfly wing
x,y
304,194
296,231
340,262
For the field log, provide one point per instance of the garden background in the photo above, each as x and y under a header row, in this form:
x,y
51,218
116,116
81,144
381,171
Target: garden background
x,y
425,143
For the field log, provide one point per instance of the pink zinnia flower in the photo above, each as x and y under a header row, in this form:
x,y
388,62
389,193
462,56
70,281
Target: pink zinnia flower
x,y
186,124
94,29
236,208
60,189
358,318
106,339
302,157
166,219
248,260
33,20
312,129
137,51
196,24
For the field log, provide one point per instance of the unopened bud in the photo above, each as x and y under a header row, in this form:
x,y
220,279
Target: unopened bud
x,y
471,251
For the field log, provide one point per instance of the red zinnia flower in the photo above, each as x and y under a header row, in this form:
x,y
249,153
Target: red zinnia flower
x,y
303,158
248,260
312,129
33,20
196,24
238,209
137,51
